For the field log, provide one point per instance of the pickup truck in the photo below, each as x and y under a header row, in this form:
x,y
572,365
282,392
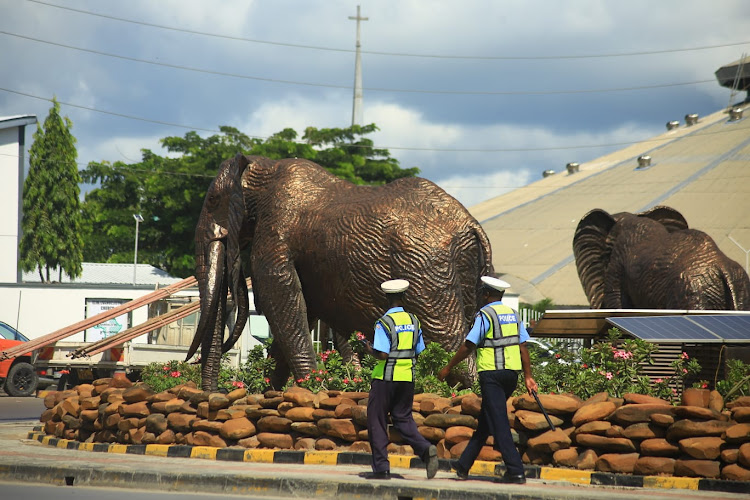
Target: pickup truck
x,y
18,377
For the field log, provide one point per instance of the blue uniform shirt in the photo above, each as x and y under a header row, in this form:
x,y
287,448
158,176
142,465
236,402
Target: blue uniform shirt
x,y
382,341
481,325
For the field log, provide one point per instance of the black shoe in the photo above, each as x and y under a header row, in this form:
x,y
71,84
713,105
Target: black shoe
x,y
431,461
383,474
460,471
511,479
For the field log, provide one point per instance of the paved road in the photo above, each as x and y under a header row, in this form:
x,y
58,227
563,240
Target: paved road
x,y
22,459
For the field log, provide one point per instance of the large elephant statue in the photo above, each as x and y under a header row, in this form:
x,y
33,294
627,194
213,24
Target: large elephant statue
x,y
318,249
652,260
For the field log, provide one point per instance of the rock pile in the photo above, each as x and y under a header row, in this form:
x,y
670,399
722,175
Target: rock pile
x,y
635,434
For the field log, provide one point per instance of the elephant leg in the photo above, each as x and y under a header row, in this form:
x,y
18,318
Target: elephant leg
x,y
281,370
285,309
342,345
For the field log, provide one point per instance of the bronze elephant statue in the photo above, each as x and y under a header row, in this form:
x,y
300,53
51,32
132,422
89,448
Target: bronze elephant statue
x,y
652,260
318,248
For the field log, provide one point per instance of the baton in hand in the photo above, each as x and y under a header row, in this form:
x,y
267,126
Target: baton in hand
x,y
549,421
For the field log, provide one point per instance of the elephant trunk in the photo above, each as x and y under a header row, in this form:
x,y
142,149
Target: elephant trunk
x,y
210,260
236,275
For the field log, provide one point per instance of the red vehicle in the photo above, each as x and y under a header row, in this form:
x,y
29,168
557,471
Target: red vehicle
x,y
17,375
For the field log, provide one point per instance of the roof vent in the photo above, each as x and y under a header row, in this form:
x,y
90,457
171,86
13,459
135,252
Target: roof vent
x,y
673,125
547,173
691,119
735,114
572,167
644,161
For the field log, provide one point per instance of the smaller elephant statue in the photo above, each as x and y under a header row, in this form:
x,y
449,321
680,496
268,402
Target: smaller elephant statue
x,y
652,260
317,247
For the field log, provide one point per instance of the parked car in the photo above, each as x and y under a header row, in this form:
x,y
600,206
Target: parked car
x,y
545,353
17,375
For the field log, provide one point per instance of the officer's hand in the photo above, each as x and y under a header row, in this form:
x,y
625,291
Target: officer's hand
x,y
443,373
531,385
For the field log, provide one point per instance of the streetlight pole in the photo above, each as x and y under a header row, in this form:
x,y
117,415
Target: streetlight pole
x,y
138,220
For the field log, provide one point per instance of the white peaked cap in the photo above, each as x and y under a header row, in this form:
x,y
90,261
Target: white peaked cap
x,y
394,286
495,283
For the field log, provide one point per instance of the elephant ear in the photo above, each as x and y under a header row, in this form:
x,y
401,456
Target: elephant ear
x,y
592,251
667,216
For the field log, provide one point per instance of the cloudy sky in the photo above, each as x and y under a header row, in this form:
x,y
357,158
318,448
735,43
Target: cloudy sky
x,y
482,96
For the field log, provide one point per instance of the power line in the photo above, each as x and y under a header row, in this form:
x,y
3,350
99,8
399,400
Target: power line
x,y
401,148
347,87
393,54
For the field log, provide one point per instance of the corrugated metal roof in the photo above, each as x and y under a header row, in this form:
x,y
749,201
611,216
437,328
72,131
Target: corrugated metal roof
x,y
119,274
702,170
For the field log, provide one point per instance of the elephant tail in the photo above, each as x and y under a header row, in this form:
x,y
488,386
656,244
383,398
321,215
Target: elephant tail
x,y
484,259
737,284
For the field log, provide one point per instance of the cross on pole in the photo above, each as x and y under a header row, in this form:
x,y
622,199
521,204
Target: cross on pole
x,y
357,104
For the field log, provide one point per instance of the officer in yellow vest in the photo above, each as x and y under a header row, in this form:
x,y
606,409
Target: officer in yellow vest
x,y
498,336
397,342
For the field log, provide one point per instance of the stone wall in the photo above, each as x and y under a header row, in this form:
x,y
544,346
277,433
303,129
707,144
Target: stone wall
x,y
635,434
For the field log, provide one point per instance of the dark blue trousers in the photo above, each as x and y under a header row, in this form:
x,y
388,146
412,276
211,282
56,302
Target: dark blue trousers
x,y
395,398
497,386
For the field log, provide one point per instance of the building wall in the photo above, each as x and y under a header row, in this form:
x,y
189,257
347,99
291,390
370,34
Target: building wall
x,y
9,205
36,310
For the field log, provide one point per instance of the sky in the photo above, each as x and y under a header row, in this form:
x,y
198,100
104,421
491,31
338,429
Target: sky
x,y
482,96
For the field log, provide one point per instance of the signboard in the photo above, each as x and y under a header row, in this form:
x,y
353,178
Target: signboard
x,y
109,327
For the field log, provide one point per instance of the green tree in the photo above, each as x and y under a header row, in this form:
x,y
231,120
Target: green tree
x,y
51,223
168,191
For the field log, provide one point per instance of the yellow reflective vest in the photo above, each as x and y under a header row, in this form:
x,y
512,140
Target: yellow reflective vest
x,y
403,330
499,348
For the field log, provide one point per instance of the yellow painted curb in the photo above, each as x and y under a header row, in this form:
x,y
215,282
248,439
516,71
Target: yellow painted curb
x,y
684,483
158,450
206,452
321,457
483,468
572,476
256,455
117,448
402,461
86,446
63,443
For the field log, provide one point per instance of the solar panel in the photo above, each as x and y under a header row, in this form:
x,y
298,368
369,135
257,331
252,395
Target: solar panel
x,y
686,328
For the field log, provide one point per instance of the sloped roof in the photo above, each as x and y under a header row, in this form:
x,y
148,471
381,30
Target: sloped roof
x,y
16,121
702,170
111,274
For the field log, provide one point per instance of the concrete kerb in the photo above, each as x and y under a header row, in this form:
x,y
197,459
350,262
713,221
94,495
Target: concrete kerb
x,y
480,468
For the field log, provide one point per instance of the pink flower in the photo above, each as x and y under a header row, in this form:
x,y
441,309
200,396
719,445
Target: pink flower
x,y
685,356
175,374
557,356
585,365
238,383
609,375
300,380
165,368
684,370
704,386
346,381
317,379
267,380
360,336
658,381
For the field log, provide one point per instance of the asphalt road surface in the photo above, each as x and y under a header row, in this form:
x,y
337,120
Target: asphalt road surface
x,y
30,491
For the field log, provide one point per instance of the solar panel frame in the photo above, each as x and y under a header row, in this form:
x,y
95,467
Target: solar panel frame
x,y
686,328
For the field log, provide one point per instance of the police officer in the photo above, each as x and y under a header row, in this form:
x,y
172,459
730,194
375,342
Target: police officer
x,y
397,342
498,336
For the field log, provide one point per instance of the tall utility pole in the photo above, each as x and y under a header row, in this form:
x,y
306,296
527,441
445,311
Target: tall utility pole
x,y
357,105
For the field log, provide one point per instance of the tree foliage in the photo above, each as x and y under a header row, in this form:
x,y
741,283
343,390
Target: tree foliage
x,y
168,191
51,223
